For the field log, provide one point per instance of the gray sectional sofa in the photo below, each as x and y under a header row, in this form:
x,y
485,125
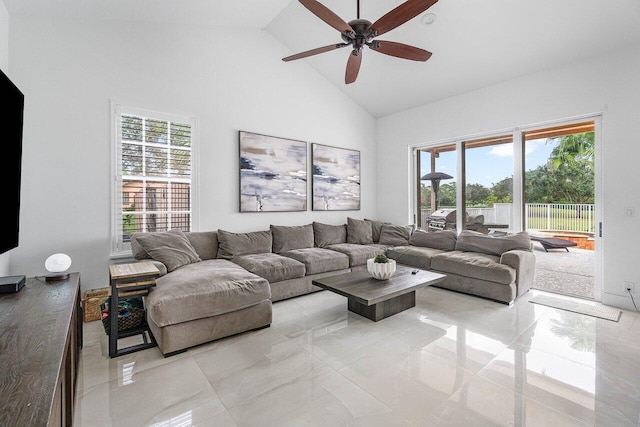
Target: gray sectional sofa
x,y
219,283
499,268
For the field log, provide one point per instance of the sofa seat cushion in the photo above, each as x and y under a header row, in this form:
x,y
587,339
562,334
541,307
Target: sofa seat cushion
x,y
415,256
272,267
204,289
358,254
476,265
319,260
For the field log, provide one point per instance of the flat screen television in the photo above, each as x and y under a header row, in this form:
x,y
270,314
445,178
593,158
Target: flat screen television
x,y
11,115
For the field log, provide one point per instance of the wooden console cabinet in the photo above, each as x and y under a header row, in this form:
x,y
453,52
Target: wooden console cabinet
x,y
40,343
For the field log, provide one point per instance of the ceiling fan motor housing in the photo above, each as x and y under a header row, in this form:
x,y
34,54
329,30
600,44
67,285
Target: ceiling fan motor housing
x,y
361,36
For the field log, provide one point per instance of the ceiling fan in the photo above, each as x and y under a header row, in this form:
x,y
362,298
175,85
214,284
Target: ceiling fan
x,y
360,32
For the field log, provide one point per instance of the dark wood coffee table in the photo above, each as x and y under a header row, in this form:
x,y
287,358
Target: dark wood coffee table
x,y
379,299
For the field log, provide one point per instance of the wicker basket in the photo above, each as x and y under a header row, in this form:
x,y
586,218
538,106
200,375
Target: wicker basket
x,y
92,301
132,321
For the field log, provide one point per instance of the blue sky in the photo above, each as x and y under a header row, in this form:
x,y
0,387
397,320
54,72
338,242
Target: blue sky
x,y
489,165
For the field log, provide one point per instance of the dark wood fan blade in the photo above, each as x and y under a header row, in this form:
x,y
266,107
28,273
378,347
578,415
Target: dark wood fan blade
x,y
327,16
400,50
401,14
314,51
353,67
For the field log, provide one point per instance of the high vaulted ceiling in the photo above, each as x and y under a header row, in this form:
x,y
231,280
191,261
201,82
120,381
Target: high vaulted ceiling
x,y
474,43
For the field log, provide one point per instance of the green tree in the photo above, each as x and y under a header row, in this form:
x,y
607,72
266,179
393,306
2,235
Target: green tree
x,y
447,195
568,175
425,196
502,191
570,168
573,150
476,194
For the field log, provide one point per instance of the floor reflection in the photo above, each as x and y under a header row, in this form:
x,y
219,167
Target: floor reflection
x,y
453,360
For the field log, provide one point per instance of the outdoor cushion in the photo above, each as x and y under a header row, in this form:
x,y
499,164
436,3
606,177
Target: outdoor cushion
x,y
414,256
205,243
286,238
358,254
319,260
473,241
395,235
172,248
445,239
204,289
236,244
272,267
326,234
475,265
359,231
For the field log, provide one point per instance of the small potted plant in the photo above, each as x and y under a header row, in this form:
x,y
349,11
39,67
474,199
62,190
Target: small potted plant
x,y
381,267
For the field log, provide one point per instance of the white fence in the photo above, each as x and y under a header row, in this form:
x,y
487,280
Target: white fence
x,y
538,216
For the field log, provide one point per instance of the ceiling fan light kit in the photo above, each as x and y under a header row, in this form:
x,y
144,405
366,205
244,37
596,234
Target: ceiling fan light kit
x,y
359,33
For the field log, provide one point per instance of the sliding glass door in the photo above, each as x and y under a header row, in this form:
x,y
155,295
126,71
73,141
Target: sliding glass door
x,y
543,180
560,208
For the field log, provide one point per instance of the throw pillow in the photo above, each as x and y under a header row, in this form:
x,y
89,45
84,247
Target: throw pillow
x,y
444,240
326,234
287,238
137,250
359,231
395,235
376,228
234,244
472,241
172,248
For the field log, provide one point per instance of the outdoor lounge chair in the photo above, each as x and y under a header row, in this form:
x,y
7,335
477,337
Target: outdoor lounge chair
x,y
553,243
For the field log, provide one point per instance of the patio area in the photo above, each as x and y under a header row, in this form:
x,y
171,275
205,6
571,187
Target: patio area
x,y
569,273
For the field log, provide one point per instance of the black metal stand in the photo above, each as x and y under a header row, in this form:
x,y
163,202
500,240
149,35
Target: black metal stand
x,y
119,287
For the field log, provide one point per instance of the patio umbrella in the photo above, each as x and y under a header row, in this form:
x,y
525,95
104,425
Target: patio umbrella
x,y
435,178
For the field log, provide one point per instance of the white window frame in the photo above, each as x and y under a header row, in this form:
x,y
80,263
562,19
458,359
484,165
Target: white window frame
x,y
119,248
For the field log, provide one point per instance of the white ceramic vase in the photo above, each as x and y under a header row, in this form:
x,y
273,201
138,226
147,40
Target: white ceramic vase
x,y
381,270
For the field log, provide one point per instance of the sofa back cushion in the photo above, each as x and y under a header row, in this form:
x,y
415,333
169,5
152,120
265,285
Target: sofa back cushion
x,y
359,231
444,240
327,234
172,248
395,235
235,244
376,228
472,241
287,238
205,243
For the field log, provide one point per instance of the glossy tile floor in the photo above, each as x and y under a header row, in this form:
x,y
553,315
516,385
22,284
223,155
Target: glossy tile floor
x,y
453,360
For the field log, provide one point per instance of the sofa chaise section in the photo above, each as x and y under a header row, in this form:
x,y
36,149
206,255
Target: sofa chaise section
x,y
199,297
204,301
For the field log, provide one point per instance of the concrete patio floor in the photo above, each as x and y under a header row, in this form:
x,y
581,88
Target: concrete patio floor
x,y
569,273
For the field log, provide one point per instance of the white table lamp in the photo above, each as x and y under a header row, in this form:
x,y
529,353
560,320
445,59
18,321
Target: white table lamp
x,y
57,265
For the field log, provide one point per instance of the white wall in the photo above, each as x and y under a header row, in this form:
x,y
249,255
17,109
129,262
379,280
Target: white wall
x,y
607,85
5,258
230,80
